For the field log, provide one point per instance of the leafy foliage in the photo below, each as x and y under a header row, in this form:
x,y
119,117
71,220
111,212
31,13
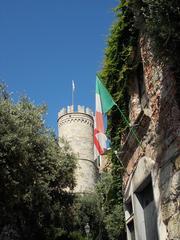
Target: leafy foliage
x,y
34,173
114,224
111,208
87,210
157,19
101,211
119,64
160,20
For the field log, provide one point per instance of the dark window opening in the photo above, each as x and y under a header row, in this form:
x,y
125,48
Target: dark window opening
x,y
129,207
141,86
146,200
140,76
146,195
130,226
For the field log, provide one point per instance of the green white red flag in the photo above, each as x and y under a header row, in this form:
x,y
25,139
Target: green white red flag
x,y
104,102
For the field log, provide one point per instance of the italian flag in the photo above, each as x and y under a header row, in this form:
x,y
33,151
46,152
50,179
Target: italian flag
x,y
104,102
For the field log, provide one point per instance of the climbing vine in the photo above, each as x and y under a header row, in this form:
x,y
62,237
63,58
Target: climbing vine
x,y
118,65
158,20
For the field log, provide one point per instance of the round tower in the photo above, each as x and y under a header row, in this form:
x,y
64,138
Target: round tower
x,y
78,129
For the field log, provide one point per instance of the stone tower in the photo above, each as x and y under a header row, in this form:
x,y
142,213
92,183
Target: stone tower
x,y
77,128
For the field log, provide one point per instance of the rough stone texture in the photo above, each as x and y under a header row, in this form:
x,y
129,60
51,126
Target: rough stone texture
x,y
177,163
78,129
173,227
176,183
135,107
166,173
159,132
168,210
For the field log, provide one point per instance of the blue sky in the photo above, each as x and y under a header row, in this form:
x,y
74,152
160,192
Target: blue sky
x,y
44,45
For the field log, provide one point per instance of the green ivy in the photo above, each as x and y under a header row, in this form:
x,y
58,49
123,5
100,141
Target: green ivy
x,y
118,65
158,20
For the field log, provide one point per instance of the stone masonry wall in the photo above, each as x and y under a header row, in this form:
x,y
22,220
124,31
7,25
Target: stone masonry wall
x,y
159,130
77,128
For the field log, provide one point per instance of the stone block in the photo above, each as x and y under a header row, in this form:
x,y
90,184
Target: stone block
x,y
173,227
171,188
166,173
168,210
165,192
176,183
170,154
177,163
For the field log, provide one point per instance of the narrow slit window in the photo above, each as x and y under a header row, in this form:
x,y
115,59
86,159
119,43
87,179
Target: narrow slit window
x,y
141,86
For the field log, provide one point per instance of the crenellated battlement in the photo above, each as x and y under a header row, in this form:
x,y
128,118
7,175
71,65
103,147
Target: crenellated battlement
x,y
70,109
77,127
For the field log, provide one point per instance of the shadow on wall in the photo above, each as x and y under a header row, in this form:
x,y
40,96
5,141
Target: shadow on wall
x,y
142,125
168,152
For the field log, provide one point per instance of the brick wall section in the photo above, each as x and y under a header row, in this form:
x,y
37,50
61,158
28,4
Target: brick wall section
x,y
161,140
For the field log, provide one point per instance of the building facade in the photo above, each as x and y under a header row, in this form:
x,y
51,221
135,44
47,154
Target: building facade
x,y
77,128
152,169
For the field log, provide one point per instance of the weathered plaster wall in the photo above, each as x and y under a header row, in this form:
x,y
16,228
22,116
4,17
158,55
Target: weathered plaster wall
x,y
159,130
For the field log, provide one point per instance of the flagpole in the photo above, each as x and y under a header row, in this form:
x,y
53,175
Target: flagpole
x,y
72,97
73,87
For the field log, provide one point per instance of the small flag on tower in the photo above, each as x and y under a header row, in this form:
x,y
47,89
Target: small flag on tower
x,y
104,102
73,86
